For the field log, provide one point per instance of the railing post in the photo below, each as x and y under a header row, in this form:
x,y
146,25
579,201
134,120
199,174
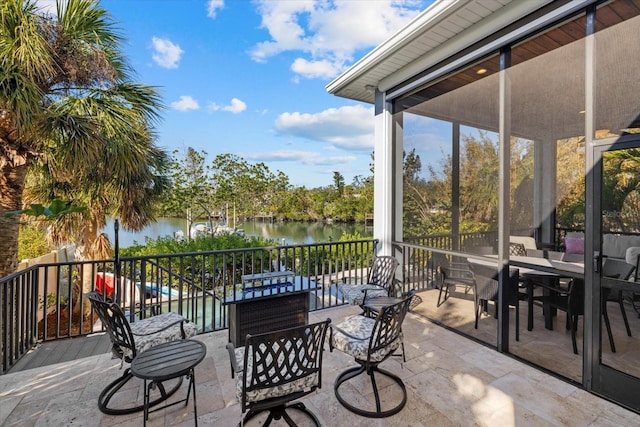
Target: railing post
x,y
34,308
143,291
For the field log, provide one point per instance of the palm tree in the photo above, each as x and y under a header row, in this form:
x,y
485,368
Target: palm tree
x,y
73,122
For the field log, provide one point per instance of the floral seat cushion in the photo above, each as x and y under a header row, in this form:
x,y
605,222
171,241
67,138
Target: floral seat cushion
x,y
360,326
354,294
159,329
285,371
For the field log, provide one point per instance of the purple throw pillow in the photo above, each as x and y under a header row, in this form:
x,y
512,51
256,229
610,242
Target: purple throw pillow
x,y
574,245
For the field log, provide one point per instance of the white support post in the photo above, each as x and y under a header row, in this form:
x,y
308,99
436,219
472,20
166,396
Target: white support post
x,y
383,205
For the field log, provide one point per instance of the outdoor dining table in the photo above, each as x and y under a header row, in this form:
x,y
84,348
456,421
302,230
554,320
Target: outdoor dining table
x,y
542,272
545,273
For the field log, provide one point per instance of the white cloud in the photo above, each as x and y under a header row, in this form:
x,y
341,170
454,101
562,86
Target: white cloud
x,y
312,158
185,103
312,69
166,53
329,32
349,128
213,6
236,106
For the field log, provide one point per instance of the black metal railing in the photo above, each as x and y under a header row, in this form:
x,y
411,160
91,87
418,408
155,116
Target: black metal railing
x,y
45,302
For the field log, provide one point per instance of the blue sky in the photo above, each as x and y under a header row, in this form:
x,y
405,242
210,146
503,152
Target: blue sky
x,y
248,77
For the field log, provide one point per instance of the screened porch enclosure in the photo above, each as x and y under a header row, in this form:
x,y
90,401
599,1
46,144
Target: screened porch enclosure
x,y
502,148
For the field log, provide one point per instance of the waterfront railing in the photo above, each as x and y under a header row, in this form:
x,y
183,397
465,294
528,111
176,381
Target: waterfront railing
x,y
45,302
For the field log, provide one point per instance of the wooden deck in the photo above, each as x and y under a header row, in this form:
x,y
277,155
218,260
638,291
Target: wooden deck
x,y
49,353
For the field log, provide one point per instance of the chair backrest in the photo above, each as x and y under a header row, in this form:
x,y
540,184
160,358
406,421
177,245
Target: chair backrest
x,y
617,269
388,326
575,299
486,278
115,322
292,355
382,271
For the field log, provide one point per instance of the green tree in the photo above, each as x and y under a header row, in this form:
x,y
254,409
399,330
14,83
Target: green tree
x,y
338,182
621,182
250,187
191,195
363,192
479,182
69,107
570,183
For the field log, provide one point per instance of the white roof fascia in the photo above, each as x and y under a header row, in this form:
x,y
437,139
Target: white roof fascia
x,y
430,17
475,33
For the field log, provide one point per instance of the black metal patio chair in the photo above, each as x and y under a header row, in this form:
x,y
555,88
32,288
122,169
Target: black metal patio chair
x,y
380,281
275,368
370,342
450,276
130,339
372,307
486,289
620,270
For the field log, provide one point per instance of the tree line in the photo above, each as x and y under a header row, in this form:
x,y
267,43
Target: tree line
x,y
427,204
229,185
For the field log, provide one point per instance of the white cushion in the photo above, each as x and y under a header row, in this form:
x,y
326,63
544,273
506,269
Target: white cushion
x,y
615,245
354,294
362,327
631,256
160,329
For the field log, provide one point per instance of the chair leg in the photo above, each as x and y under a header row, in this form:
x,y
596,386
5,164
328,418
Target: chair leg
x,y
280,412
378,413
624,315
517,320
607,324
300,407
375,391
110,390
574,328
446,294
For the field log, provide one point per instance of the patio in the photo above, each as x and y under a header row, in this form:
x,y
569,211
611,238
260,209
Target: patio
x,y
451,381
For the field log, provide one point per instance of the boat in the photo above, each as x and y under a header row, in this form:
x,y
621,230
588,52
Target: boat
x,y
199,229
223,228
218,229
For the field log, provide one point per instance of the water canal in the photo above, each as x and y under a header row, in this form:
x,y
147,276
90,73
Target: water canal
x,y
292,232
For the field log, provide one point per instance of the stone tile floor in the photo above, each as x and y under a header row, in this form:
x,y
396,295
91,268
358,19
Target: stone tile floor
x,y
451,381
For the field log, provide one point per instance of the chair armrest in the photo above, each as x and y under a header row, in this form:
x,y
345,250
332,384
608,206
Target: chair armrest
x,y
377,288
342,331
232,359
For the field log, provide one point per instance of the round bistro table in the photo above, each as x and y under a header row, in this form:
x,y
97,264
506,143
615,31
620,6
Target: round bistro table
x,y
165,362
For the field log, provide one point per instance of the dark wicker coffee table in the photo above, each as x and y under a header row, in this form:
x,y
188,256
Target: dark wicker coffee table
x,y
165,362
